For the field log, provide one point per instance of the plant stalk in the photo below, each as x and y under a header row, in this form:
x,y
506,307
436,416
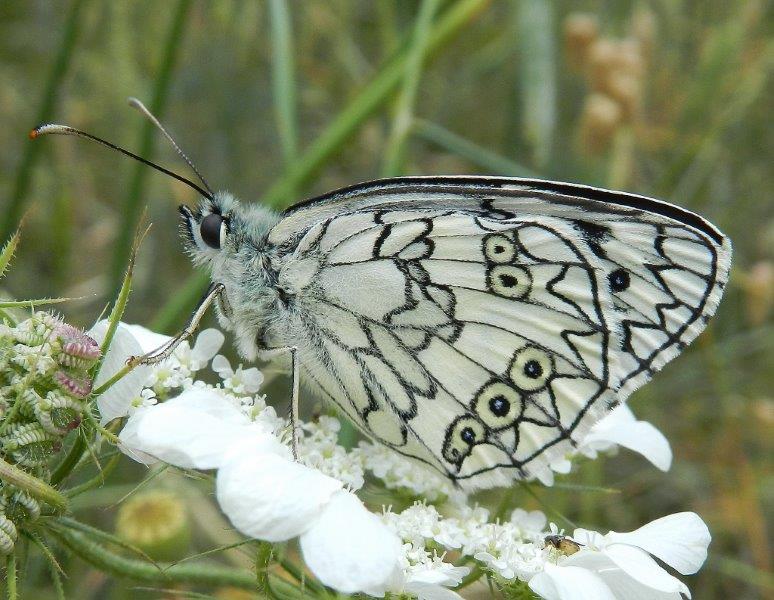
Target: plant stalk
x,y
35,487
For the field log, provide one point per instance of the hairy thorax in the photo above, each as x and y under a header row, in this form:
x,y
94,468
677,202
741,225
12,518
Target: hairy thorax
x,y
251,304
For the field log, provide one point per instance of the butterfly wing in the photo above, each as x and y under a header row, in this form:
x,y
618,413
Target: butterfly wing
x,y
482,325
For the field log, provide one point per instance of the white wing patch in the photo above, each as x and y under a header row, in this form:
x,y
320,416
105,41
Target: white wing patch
x,y
483,332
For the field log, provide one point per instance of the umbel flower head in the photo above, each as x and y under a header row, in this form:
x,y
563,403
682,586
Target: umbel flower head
x,y
267,495
44,384
155,522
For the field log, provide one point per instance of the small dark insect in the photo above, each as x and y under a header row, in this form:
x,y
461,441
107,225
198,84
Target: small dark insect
x,y
564,544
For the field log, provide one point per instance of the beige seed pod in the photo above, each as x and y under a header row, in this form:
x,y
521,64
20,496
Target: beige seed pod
x,y
601,117
609,59
644,29
601,62
626,89
580,31
629,58
759,287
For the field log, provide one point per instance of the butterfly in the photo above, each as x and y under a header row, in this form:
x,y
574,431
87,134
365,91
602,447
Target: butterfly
x,y
479,325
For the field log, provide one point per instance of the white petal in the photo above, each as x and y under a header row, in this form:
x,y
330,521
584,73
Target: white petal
x,y
680,540
562,466
115,401
149,340
448,575
350,549
221,366
620,415
430,591
545,476
640,566
618,581
569,583
638,436
208,342
270,498
194,430
252,379
130,444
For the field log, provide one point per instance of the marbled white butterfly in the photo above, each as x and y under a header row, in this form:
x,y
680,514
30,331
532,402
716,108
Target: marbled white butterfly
x,y
480,325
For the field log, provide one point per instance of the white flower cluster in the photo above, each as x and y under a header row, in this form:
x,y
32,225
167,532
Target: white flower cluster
x,y
419,551
616,565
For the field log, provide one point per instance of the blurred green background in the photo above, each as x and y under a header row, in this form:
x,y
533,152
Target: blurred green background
x,y
276,101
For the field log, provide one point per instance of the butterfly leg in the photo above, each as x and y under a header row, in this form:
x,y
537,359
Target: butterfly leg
x,y
294,389
165,350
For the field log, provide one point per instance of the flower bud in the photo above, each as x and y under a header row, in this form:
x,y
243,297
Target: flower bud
x,y
18,505
8,534
78,350
29,445
59,413
157,523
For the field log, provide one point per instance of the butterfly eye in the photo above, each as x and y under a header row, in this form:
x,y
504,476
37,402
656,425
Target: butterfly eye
x,y
213,229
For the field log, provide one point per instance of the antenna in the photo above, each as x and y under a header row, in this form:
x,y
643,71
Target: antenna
x,y
55,129
135,103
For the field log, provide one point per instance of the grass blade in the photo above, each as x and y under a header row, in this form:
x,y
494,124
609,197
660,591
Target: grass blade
x,y
394,158
343,126
31,152
283,78
536,34
487,160
132,207
368,101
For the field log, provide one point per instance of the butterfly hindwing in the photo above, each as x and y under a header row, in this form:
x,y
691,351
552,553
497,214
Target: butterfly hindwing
x,y
482,326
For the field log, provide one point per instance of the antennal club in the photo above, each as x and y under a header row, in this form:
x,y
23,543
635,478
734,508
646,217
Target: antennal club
x,y
55,129
135,103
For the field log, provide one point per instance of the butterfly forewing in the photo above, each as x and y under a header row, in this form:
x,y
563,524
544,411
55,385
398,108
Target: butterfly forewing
x,y
483,325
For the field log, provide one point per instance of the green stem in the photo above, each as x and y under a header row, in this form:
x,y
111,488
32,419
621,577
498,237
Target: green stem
x,y
262,560
475,574
133,202
37,488
10,576
119,306
119,566
71,460
401,125
300,576
73,456
31,304
9,249
95,481
31,152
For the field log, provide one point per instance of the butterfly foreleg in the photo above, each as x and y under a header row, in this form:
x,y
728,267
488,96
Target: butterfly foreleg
x,y
165,350
270,353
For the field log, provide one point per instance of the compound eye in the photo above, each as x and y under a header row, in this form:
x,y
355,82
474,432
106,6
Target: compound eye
x,y
213,230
